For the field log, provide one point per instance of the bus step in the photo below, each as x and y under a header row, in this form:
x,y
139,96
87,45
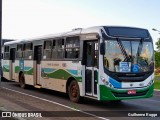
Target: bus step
x,y
92,97
37,86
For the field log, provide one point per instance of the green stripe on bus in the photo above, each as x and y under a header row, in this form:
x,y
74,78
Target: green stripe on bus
x,y
5,69
17,69
29,72
61,74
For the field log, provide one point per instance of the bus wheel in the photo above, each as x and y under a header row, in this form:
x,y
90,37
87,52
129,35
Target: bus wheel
x,y
74,93
22,81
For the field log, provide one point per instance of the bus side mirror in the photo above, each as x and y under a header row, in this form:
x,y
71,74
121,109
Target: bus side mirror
x,y
102,48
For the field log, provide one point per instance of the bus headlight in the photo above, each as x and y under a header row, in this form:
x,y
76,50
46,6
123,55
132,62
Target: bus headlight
x,y
106,82
150,83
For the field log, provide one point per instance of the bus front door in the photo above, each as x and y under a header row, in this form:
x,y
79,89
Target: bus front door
x,y
91,67
37,65
12,63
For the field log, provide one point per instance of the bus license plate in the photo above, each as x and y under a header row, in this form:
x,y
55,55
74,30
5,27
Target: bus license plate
x,y
131,92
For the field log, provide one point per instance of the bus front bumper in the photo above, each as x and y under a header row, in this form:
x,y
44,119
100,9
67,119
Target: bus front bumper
x,y
122,94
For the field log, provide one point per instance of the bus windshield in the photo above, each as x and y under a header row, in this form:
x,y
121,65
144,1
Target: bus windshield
x,y
122,55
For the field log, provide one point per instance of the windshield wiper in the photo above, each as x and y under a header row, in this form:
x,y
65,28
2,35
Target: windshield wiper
x,y
127,57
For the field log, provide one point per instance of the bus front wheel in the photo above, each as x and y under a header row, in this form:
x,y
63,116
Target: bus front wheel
x,y
22,81
74,93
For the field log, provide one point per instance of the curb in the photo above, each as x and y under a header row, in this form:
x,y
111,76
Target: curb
x,y
156,90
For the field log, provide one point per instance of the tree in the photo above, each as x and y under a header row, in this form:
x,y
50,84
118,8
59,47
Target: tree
x,y
157,59
158,44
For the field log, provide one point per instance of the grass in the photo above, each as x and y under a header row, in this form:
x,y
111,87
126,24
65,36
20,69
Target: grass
x,y
157,82
157,77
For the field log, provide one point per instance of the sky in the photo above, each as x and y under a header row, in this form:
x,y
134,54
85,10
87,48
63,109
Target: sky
x,y
32,18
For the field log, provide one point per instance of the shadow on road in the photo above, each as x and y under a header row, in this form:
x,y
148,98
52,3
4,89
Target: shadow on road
x,y
46,93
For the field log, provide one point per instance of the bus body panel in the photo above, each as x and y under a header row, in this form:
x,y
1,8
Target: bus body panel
x,y
28,72
12,70
143,89
56,73
6,69
17,70
107,93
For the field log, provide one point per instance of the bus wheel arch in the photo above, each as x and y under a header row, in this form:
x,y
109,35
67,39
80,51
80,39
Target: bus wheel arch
x,y
72,89
22,79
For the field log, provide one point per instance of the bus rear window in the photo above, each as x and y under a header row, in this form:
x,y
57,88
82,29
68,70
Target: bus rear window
x,y
126,32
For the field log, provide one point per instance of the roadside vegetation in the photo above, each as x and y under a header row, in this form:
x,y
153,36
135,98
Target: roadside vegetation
x,y
157,82
157,66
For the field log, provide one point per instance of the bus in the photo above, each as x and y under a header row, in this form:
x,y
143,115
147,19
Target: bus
x,y
2,44
103,62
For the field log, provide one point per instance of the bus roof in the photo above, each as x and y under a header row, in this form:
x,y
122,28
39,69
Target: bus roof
x,y
77,31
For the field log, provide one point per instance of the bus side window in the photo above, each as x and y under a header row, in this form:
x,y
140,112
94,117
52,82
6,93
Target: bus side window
x,y
19,52
72,47
60,48
6,52
89,55
54,50
96,55
28,53
47,49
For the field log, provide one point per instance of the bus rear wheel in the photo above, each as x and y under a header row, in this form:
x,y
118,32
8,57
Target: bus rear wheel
x,y
22,81
74,93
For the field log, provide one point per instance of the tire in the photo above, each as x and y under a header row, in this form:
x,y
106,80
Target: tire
x,y
2,79
22,81
74,92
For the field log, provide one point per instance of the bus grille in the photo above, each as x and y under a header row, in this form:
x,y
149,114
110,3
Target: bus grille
x,y
139,77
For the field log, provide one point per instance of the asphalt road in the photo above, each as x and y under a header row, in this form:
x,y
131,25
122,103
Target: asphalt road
x,y
103,109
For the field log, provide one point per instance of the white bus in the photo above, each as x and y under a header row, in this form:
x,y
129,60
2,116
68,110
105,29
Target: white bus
x,y
103,63
2,49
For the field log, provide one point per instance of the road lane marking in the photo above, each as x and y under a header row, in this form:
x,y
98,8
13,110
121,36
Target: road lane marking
x,y
57,104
